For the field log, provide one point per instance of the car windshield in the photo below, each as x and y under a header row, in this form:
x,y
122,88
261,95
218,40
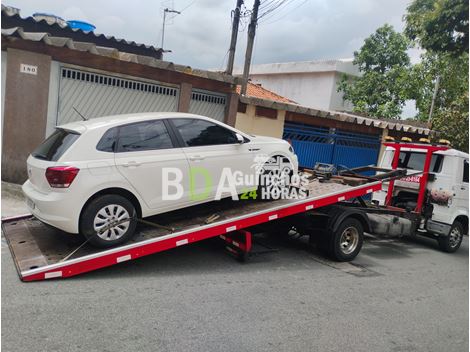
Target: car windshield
x,y
56,145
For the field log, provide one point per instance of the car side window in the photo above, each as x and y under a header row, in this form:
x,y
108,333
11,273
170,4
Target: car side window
x,y
148,135
465,171
107,143
196,132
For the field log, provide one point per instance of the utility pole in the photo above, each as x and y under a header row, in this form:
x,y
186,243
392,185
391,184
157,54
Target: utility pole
x,y
249,45
434,95
165,11
233,40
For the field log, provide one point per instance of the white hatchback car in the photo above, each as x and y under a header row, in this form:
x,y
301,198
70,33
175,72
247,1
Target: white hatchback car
x,y
96,177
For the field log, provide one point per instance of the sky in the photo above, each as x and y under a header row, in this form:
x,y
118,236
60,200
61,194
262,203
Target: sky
x,y
200,35
301,30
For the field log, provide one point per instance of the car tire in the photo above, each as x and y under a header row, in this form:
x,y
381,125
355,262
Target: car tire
x,y
451,243
344,244
266,189
99,215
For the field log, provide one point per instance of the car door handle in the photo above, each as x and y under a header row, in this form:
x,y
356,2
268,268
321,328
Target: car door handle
x,y
196,157
131,164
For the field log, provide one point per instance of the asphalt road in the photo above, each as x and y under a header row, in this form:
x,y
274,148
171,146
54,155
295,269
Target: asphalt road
x,y
396,296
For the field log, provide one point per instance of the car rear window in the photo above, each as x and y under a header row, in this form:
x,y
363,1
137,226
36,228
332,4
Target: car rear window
x,y
56,145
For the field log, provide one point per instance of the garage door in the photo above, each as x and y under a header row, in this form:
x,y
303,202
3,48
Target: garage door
x,y
314,144
97,95
208,104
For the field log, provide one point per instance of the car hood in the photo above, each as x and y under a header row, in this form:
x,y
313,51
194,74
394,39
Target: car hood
x,y
266,139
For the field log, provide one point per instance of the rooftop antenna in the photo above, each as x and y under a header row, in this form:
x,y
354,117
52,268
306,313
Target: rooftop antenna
x,y
78,112
165,11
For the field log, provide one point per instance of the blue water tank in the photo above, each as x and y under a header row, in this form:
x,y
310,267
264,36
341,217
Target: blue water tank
x,y
84,26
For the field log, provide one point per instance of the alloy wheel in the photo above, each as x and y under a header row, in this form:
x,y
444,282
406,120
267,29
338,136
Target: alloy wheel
x,y
110,222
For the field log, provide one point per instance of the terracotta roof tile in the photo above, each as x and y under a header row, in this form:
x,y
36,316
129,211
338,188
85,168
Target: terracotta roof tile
x,y
257,91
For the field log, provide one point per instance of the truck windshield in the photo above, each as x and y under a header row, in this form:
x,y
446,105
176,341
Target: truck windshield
x,y
415,161
56,145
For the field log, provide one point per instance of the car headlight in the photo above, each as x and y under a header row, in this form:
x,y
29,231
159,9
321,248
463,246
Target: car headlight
x,y
291,150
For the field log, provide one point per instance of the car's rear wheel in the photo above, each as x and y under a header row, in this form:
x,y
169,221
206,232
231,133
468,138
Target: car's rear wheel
x,y
344,244
108,220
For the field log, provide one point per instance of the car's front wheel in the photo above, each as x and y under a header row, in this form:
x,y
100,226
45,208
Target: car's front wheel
x,y
274,179
453,240
108,220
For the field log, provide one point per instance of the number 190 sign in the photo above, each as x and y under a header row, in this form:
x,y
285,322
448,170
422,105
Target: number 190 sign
x,y
29,69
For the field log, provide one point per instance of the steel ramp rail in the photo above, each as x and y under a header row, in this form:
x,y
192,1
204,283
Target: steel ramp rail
x,y
41,252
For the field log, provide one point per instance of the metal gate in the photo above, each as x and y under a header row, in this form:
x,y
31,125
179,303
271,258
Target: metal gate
x,y
208,104
312,145
95,94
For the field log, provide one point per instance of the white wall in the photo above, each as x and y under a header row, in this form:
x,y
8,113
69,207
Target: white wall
x,y
4,78
336,99
53,100
311,89
309,83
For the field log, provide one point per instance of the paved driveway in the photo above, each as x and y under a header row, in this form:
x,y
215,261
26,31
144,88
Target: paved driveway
x,y
396,296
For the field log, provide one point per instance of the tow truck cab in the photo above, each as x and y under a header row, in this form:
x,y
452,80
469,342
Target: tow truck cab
x,y
446,199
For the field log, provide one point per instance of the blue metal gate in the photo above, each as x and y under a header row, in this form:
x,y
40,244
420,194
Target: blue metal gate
x,y
313,144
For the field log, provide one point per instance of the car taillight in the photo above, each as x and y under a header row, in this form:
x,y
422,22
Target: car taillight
x,y
61,176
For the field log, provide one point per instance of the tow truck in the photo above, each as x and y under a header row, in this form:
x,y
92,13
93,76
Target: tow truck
x,y
334,216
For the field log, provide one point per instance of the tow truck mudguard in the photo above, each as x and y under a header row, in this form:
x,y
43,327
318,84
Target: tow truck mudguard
x,y
438,228
338,213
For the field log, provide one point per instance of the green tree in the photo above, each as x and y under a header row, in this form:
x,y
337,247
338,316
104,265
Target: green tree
x,y
441,28
453,81
452,123
439,25
384,64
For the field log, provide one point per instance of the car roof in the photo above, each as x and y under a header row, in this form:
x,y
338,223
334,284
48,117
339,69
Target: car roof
x,y
117,120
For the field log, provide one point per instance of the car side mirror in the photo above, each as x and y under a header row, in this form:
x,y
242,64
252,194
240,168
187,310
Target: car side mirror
x,y
240,138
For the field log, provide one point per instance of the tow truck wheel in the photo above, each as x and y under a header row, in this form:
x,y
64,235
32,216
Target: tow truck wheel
x,y
453,240
346,242
108,220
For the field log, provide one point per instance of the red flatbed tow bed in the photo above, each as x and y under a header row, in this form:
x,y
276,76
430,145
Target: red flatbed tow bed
x,y
41,252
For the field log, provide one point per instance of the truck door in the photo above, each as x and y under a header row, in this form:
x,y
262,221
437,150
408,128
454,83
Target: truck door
x,y
460,189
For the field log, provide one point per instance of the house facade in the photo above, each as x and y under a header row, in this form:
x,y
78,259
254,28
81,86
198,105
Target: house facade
x,y
309,83
46,78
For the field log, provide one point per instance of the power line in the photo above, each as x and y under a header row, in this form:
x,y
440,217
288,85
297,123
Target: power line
x,y
184,8
223,61
272,8
285,14
272,11
266,4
